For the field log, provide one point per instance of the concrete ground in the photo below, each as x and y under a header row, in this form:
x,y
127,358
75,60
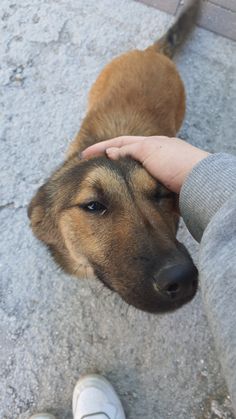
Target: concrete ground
x,y
218,16
53,327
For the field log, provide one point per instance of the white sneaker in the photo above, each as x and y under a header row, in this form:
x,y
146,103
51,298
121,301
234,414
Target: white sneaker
x,y
42,416
94,397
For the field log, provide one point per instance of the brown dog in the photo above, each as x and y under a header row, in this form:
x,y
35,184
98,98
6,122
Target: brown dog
x,y
111,217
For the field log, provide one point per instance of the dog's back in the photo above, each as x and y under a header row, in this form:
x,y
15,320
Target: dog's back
x,y
139,92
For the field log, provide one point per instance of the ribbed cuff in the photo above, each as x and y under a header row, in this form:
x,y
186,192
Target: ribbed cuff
x,y
209,185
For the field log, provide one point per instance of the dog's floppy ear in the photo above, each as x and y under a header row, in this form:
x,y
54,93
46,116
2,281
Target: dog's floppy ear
x,y
40,214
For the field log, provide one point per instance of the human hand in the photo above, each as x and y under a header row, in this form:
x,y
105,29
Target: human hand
x,y
169,160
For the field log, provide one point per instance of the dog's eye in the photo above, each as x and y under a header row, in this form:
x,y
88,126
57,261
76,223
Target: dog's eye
x,y
94,206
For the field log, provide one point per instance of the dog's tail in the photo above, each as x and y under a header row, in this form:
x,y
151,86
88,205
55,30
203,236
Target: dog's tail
x,y
170,42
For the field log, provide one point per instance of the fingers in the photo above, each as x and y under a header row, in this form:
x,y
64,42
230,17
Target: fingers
x,y
100,148
169,160
133,150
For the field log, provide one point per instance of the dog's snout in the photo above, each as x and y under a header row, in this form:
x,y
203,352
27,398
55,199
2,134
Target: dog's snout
x,y
177,281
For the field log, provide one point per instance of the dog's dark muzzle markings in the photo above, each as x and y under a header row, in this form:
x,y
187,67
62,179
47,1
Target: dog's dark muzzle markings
x,y
147,277
177,281
165,291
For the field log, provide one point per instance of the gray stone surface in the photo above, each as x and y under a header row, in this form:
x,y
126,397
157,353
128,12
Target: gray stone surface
x,y
53,327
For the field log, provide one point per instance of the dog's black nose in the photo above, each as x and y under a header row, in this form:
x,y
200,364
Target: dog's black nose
x,y
177,282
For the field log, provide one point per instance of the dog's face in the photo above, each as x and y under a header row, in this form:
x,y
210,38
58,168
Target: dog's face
x,y
116,216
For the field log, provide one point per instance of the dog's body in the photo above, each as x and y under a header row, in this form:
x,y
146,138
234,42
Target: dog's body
x,y
113,218
137,93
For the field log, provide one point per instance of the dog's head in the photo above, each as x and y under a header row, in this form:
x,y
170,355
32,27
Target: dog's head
x,y
124,223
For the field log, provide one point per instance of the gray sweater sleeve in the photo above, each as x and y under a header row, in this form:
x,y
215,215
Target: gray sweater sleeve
x,y
208,207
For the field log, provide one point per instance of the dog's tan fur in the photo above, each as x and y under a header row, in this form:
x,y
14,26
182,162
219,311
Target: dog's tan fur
x,y
137,93
127,244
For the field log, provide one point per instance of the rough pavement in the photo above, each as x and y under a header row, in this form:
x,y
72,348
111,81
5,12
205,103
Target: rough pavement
x,y
53,327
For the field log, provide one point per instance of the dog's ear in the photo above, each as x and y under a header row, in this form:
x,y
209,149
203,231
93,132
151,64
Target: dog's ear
x,y
41,216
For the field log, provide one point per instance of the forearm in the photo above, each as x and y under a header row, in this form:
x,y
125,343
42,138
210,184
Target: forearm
x,y
208,205
217,274
208,186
